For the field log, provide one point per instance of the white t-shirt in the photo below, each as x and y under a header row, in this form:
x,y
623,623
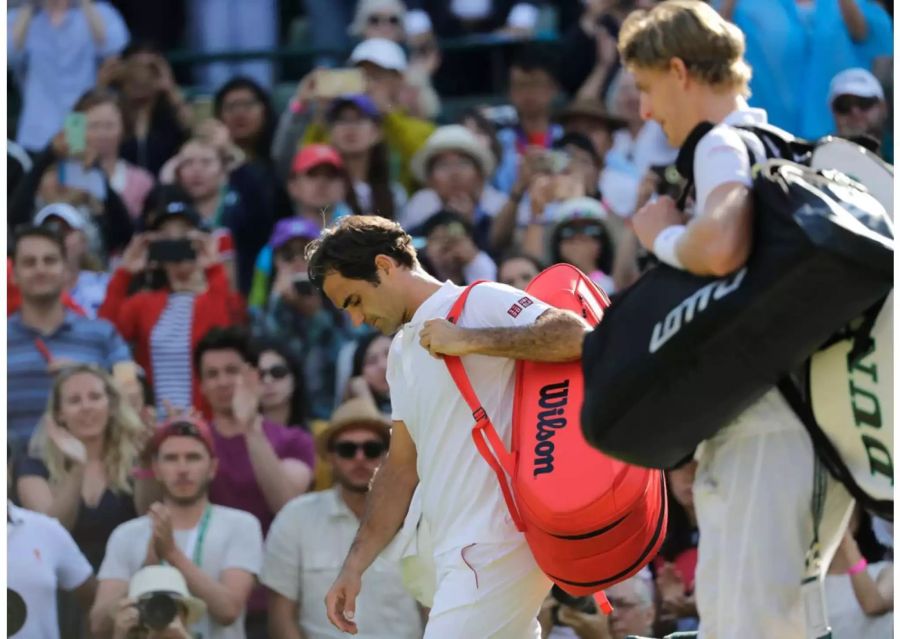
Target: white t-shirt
x,y
461,501
847,619
233,539
41,558
721,156
305,550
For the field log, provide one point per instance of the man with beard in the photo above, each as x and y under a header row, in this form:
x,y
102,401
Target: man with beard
x,y
218,550
311,536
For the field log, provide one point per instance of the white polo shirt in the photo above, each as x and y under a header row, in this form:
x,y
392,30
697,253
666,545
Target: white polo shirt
x,y
41,558
461,501
305,550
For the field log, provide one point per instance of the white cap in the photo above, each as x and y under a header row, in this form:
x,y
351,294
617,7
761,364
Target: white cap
x,y
151,579
380,52
581,208
66,212
857,82
453,137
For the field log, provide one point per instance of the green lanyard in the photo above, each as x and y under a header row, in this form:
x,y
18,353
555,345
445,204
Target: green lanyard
x,y
201,535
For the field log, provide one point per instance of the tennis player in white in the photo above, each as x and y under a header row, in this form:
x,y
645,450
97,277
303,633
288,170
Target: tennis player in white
x,y
488,584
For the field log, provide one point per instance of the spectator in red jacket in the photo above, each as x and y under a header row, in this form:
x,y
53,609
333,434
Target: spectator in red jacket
x,y
165,323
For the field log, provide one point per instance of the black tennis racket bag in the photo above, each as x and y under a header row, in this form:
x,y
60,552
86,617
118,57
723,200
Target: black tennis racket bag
x,y
678,356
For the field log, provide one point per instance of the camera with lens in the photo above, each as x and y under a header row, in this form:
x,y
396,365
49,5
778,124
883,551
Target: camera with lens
x,y
157,610
302,285
581,604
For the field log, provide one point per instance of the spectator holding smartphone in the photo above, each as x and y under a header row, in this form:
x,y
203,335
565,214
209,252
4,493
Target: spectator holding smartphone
x,y
53,48
165,324
286,306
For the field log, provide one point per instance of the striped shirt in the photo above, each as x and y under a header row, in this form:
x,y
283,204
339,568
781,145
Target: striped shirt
x,y
28,384
170,352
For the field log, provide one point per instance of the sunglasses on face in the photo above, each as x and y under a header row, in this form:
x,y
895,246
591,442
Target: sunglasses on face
x,y
348,450
569,232
279,371
375,19
844,104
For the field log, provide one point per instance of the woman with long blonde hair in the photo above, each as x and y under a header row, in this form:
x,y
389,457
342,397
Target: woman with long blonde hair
x,y
81,458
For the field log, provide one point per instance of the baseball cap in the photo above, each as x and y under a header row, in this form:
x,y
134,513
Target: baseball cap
x,y
293,228
857,82
66,212
380,52
313,155
183,427
360,101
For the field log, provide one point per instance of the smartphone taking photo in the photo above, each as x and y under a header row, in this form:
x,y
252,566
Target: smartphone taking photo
x,y
171,251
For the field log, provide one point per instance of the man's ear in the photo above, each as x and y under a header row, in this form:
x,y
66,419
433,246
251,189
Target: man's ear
x,y
679,69
385,264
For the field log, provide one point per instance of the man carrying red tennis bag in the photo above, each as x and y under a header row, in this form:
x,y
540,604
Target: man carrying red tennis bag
x,y
590,520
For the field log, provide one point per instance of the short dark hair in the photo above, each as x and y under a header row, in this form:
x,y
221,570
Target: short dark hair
x,y
444,217
580,141
224,338
517,254
536,57
351,245
38,231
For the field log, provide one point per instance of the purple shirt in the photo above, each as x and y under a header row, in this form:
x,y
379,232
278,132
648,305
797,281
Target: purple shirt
x,y
235,483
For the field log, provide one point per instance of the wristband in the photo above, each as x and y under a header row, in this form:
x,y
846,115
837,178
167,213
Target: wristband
x,y
665,246
858,567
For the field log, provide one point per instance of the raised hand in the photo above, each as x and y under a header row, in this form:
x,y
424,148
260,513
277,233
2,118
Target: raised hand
x,y
245,403
71,446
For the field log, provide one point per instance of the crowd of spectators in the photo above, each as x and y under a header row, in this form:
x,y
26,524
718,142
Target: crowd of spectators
x,y
180,395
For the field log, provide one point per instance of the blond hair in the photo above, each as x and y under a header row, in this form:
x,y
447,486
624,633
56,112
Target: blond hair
x,y
711,48
123,438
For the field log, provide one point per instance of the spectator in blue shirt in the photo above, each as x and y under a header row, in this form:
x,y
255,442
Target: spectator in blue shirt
x,y
796,47
54,48
43,337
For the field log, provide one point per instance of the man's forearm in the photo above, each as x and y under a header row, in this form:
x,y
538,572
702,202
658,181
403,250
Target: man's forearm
x,y
20,27
504,224
223,606
557,336
386,507
95,22
273,483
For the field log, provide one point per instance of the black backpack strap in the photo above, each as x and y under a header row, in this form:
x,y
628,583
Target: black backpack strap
x,y
826,451
862,336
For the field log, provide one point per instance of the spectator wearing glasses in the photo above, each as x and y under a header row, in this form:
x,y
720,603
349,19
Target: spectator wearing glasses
x,y
283,390
581,238
311,535
217,549
857,103
379,19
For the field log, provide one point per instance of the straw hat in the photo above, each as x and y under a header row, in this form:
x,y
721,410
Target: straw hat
x,y
151,579
453,137
358,412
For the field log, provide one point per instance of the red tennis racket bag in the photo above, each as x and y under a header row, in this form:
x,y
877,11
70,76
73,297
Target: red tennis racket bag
x,y
590,520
